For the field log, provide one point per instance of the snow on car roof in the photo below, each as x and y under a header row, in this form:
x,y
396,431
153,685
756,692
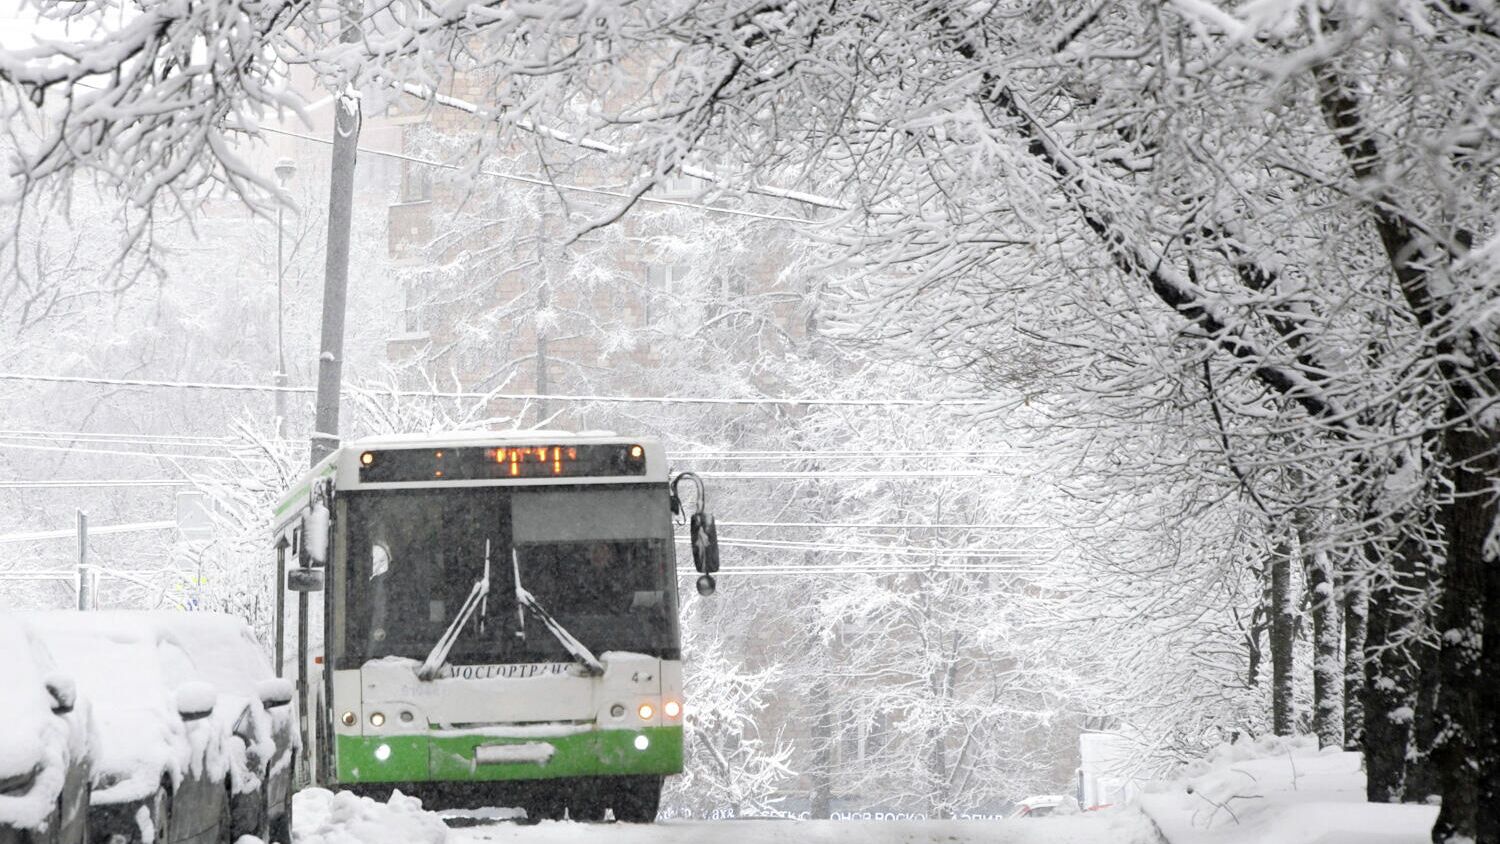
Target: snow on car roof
x,y
25,707
122,666
31,736
225,653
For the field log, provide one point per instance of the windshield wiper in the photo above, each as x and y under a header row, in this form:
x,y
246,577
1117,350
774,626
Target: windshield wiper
x,y
478,595
525,599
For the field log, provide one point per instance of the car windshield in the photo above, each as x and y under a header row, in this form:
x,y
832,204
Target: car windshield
x,y
599,560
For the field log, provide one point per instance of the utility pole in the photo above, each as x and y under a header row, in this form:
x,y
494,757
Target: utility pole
x,y
542,300
285,170
346,125
85,586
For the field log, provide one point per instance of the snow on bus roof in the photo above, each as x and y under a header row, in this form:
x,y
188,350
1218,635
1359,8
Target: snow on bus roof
x,y
531,436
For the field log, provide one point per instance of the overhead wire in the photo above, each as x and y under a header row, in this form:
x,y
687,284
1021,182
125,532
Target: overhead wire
x,y
117,452
93,530
850,548
133,437
139,577
206,441
105,483
497,396
549,183
889,525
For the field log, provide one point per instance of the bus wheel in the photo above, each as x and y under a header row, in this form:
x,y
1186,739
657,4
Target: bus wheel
x,y
637,799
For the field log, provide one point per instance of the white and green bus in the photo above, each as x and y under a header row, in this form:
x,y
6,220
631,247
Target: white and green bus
x,y
489,619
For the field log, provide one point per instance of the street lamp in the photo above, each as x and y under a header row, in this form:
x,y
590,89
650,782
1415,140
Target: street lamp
x,y
285,170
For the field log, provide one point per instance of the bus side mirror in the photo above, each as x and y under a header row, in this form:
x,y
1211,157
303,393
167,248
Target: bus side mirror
x,y
304,580
315,533
704,536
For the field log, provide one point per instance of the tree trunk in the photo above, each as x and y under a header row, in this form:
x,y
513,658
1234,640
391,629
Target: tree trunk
x,y
1356,626
1328,670
821,775
1388,694
1283,632
1456,755
1488,687
1421,776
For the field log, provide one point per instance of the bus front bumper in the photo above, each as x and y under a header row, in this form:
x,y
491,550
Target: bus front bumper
x,y
481,758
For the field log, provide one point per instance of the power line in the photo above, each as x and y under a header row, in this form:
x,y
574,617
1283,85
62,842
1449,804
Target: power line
x,y
153,439
439,394
593,145
213,441
140,577
103,530
851,475
208,440
1008,555
839,570
915,475
889,525
750,454
103,483
548,183
972,473
851,548
51,438
64,574
73,449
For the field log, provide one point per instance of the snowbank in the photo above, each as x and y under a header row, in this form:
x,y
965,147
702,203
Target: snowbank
x,y
1281,791
1116,827
323,817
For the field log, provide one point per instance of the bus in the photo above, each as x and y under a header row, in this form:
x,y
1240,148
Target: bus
x,y
490,619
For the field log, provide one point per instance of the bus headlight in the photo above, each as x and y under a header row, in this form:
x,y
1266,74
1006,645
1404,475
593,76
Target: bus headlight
x,y
646,711
347,719
383,752
672,708
617,711
641,742
377,719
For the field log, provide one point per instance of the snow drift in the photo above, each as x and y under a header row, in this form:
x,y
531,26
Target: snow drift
x,y
1281,790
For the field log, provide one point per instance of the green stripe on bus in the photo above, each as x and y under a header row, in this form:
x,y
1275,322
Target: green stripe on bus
x,y
424,758
297,495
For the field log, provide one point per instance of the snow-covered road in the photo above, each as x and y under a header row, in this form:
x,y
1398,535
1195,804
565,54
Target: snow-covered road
x,y
1093,830
328,818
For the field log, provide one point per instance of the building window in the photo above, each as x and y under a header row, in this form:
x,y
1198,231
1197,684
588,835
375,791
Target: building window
x,y
678,186
667,293
416,182
411,307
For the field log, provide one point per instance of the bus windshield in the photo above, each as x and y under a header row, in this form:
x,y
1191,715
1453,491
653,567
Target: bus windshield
x,y
598,559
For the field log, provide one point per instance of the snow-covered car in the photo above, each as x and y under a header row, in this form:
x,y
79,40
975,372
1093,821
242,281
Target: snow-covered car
x,y
1042,805
45,741
254,708
161,765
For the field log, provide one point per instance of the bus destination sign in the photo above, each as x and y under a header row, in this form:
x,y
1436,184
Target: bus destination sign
x,y
474,463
